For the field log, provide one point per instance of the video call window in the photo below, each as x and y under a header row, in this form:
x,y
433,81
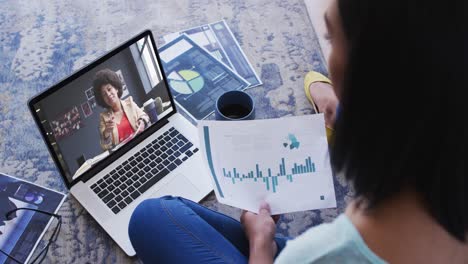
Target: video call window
x,y
83,121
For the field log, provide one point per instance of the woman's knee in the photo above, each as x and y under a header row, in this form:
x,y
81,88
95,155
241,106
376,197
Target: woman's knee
x,y
149,212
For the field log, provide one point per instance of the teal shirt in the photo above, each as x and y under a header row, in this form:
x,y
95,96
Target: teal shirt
x,y
336,242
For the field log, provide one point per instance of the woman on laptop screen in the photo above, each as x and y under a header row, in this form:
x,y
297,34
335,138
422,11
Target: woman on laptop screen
x,y
122,118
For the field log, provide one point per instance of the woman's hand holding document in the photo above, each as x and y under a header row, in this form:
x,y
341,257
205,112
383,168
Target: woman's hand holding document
x,y
284,162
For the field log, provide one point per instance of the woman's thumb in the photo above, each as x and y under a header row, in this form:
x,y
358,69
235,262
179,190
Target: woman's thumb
x,y
264,208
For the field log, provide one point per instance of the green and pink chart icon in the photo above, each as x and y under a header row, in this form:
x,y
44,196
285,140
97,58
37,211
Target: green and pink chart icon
x,y
186,81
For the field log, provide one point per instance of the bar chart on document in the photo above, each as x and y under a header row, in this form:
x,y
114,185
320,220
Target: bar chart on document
x,y
284,162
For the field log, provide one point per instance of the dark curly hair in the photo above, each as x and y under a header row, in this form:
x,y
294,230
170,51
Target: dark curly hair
x,y
104,77
394,135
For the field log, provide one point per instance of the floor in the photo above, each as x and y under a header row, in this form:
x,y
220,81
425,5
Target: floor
x,y
316,10
44,41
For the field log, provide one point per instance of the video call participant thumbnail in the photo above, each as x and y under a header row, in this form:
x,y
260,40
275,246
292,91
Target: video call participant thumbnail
x,y
122,118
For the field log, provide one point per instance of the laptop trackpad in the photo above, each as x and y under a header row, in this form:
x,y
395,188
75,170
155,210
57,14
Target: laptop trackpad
x,y
179,186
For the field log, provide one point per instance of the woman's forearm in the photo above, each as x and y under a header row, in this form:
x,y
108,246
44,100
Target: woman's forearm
x,y
261,252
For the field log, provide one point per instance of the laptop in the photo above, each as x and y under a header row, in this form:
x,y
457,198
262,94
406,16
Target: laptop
x,y
111,171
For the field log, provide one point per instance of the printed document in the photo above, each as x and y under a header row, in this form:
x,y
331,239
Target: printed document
x,y
195,77
218,39
283,161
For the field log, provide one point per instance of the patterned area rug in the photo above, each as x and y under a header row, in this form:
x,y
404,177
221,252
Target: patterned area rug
x,y
44,41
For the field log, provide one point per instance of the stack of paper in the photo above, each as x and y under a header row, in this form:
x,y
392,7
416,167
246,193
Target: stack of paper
x,y
203,62
88,164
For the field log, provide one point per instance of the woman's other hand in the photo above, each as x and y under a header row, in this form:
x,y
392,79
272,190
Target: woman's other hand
x,y
141,126
110,124
260,230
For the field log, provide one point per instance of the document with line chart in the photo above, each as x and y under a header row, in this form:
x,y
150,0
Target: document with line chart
x,y
283,161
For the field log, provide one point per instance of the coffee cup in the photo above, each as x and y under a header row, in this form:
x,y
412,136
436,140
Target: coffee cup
x,y
234,105
150,109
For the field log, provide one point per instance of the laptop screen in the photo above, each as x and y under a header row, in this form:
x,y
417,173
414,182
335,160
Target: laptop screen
x,y
111,103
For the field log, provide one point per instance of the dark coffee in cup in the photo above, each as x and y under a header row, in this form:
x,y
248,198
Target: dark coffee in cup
x,y
235,111
234,105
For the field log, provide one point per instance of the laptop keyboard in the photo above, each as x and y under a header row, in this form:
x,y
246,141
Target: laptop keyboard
x,y
141,171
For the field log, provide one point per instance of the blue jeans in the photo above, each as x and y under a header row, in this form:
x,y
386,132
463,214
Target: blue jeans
x,y
177,230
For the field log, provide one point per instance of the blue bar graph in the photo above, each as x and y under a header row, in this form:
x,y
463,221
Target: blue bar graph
x,y
307,168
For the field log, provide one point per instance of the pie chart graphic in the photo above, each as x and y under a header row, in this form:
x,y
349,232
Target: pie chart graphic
x,y
186,81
